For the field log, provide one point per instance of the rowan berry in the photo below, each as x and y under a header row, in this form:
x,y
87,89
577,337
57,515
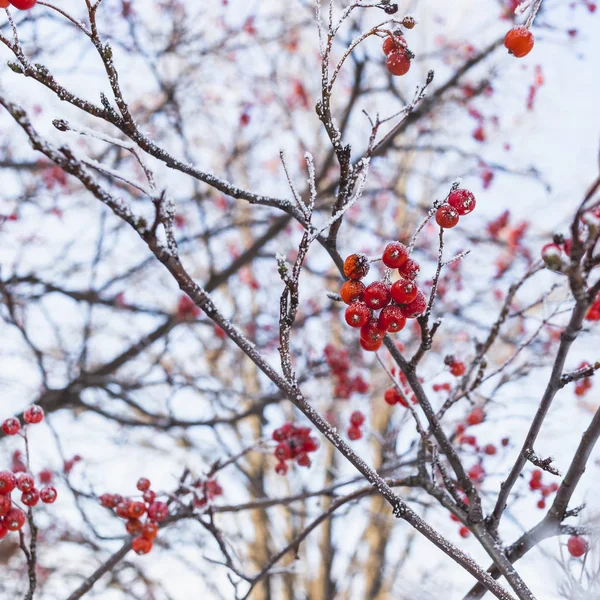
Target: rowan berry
x,y
34,414
410,269
396,43
577,546
519,41
489,449
458,368
409,22
109,500
5,504
141,545
357,418
8,482
354,433
133,527
122,509
303,460
398,63
377,295
416,307
476,416
356,266
446,216
464,532
143,484
137,509
281,468
394,255
14,519
11,426
48,495
391,319
23,4
148,496
25,482
370,346
158,511
149,530
283,451
463,201
404,291
357,314
352,290
371,332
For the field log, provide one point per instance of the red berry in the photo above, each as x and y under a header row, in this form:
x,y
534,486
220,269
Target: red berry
x,y
357,418
46,476
25,482
393,396
14,519
149,496
398,63
446,216
8,482
149,530
463,201
11,426
356,266
458,368
541,504
303,460
283,451
23,4
393,44
415,308
357,314
108,500
577,546
133,527
476,416
391,319
34,414
370,346
311,444
281,468
519,41
352,290
464,532
141,545
536,474
143,484
409,22
48,495
410,269
122,509
371,332
404,291
354,433
5,504
395,255
377,295
137,509
490,449
158,511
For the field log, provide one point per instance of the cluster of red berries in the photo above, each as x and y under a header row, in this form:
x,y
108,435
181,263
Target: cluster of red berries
x,y
210,490
12,518
20,4
583,386
458,204
294,443
133,510
398,55
519,41
345,383
397,302
357,420
535,483
577,546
